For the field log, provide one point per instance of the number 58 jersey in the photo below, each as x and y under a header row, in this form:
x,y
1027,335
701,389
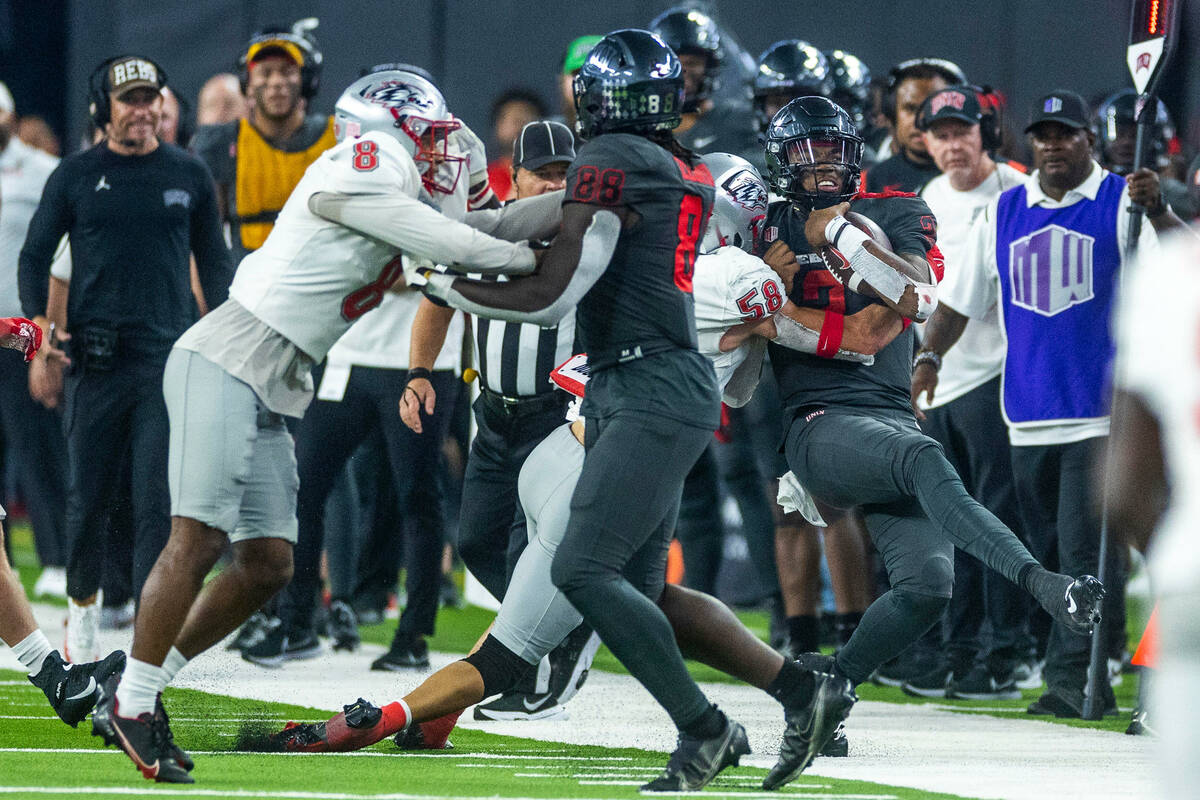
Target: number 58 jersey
x,y
312,278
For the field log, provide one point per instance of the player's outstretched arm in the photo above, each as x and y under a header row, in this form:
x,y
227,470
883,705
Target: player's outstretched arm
x,y
536,218
570,267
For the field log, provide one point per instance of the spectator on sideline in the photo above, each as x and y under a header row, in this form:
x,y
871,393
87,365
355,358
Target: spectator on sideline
x,y
511,112
221,100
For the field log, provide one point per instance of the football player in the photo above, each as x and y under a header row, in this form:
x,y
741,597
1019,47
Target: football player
x,y
72,689
336,248
915,505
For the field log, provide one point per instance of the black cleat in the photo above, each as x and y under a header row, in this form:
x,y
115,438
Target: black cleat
x,y
695,762
839,745
73,689
253,630
173,750
277,647
807,734
343,626
403,655
1081,607
145,740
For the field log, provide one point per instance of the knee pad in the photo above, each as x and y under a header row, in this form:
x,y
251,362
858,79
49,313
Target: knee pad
x,y
499,667
926,607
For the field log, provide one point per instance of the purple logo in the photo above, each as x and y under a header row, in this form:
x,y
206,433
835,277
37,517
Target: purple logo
x,y
1052,106
1051,270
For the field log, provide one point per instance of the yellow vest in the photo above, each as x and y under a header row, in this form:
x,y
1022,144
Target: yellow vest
x,y
265,178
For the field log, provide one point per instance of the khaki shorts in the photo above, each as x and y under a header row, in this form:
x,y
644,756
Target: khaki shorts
x,y
231,465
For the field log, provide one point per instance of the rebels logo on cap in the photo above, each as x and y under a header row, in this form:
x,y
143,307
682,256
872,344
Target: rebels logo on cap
x,y
947,100
132,70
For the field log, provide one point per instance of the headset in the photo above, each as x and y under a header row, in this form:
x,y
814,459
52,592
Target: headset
x,y
310,70
98,102
952,73
990,118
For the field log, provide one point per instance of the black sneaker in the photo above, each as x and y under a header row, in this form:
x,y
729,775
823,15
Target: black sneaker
x,y
144,740
695,762
277,647
253,630
73,689
403,655
980,684
343,626
839,745
933,683
904,667
808,733
571,661
516,706
173,750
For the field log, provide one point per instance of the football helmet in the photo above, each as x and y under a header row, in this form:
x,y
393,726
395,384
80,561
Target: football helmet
x,y
851,85
793,68
808,134
740,207
412,111
1115,119
631,82
688,31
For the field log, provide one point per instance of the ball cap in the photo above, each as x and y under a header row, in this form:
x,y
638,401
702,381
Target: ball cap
x,y
1060,105
577,52
954,103
543,142
132,72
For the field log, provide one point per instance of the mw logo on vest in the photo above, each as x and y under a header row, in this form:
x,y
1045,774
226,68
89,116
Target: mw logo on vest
x,y
1051,270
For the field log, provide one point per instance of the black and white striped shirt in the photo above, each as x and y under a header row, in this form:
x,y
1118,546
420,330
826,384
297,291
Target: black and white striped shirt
x,y
515,359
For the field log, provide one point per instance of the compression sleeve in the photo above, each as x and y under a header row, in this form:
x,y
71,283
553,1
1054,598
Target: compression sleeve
x,y
418,230
542,299
532,218
794,336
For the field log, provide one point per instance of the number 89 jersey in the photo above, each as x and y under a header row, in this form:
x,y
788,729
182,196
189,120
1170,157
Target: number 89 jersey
x,y
645,295
312,278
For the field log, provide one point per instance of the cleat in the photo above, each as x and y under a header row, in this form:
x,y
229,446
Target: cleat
x,y
343,626
276,647
809,732
571,661
253,631
73,690
695,762
144,740
359,725
980,684
403,655
839,745
431,735
520,706
172,750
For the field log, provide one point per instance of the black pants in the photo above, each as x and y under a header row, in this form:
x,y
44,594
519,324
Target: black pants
x,y
974,438
35,450
327,435
491,528
701,528
917,511
105,415
612,561
1054,485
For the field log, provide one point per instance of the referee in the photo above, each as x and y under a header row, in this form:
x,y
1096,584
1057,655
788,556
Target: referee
x,y
135,210
516,408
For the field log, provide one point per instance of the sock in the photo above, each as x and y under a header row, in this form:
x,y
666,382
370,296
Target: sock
x,y
174,662
710,724
32,651
792,687
396,717
805,632
138,690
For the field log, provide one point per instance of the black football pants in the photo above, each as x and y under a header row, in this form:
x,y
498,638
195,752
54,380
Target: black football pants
x,y
916,511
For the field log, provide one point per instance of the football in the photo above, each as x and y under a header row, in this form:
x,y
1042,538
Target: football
x,y
839,266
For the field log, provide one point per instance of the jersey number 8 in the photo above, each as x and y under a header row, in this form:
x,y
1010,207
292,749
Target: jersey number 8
x,y
360,301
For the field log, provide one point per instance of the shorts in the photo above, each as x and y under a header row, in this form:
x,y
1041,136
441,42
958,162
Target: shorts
x,y
231,464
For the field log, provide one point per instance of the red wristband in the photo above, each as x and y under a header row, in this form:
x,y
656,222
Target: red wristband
x,y
831,334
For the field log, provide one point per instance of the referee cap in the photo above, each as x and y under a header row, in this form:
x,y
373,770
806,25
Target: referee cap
x,y
543,142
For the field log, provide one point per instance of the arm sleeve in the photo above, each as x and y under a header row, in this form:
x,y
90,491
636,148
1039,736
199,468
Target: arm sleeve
x,y
51,221
214,262
533,218
970,286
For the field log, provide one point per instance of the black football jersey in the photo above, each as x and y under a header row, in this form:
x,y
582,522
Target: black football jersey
x,y
809,380
644,298
898,174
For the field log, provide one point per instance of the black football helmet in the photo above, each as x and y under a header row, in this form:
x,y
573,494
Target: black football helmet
x,y
1116,133
807,133
851,85
631,82
791,67
686,30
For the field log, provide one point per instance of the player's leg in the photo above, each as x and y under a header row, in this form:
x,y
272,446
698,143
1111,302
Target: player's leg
x,y
798,557
701,527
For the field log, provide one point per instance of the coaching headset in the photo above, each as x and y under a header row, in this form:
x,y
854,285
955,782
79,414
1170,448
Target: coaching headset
x,y
298,44
98,103
950,71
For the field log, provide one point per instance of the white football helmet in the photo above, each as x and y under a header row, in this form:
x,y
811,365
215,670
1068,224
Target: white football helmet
x,y
741,204
409,108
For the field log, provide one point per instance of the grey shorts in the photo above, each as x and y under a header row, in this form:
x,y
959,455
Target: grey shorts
x,y
230,466
535,616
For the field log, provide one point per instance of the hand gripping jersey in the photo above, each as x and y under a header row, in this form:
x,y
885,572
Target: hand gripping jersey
x,y
809,380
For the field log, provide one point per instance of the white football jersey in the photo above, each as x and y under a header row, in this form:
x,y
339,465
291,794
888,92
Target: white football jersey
x,y
1157,360
312,278
730,286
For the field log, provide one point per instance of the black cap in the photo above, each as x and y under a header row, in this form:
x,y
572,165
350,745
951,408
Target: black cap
x,y
1061,105
543,142
957,102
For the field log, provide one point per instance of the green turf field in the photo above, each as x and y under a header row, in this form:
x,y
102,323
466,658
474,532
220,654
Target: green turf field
x,y
40,757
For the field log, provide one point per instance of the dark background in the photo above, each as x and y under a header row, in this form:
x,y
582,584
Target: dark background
x,y
477,49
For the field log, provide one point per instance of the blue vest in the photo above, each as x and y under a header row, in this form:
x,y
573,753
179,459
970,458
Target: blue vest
x,y
1058,280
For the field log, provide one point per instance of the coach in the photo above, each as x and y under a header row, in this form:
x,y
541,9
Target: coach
x,y
134,209
1049,255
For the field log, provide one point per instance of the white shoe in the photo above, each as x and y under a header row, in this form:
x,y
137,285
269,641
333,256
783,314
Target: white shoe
x,y
51,583
83,631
